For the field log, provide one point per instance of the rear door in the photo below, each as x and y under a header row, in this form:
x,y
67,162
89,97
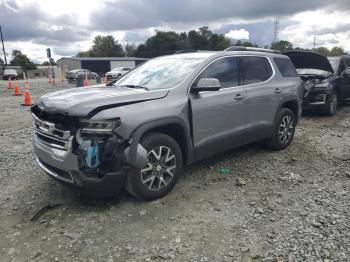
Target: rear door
x,y
219,116
344,87
344,80
263,96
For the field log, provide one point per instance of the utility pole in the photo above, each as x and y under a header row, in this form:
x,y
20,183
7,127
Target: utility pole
x,y
3,47
314,43
276,26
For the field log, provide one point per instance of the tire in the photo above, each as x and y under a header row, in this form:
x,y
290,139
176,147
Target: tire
x,y
283,132
155,181
332,103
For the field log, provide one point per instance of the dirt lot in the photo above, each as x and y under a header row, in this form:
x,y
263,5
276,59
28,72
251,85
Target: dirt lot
x,y
272,206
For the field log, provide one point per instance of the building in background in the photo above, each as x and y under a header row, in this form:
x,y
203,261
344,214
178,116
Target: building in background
x,y
100,65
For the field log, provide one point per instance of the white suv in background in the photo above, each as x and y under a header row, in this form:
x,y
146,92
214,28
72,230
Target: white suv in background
x,y
117,72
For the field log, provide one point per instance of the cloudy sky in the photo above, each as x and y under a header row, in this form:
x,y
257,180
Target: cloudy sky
x,y
68,26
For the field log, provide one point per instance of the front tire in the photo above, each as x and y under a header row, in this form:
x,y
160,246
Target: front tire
x,y
283,132
164,168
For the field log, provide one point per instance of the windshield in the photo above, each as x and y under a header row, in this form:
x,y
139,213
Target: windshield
x,y
161,73
308,71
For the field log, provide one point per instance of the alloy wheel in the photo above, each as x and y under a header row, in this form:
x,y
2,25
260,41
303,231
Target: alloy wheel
x,y
286,129
161,168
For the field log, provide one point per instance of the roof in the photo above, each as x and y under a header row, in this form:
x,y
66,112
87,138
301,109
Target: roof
x,y
104,58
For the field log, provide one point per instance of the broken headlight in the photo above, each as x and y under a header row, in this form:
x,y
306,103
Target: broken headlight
x,y
99,126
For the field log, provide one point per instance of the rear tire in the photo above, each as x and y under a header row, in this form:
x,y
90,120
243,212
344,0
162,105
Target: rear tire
x,y
332,103
160,176
283,132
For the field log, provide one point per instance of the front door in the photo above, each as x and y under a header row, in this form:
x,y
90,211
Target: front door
x,y
344,85
219,116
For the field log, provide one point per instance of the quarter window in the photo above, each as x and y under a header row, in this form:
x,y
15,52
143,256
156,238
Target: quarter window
x,y
255,69
224,69
285,67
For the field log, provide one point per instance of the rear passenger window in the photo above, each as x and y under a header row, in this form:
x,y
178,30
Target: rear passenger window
x,y
255,69
286,67
224,69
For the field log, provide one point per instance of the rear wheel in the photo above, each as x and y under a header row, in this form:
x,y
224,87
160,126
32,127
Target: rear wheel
x,y
332,104
162,172
283,132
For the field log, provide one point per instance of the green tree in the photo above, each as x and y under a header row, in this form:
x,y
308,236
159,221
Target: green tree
x,y
218,42
322,50
1,62
337,51
245,43
282,46
85,54
168,42
22,60
130,50
104,46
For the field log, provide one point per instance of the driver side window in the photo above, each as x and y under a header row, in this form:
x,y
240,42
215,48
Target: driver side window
x,y
223,69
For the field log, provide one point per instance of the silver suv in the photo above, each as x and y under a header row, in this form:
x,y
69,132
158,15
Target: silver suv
x,y
169,112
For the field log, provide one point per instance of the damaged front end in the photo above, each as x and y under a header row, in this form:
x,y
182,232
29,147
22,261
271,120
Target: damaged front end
x,y
88,154
101,148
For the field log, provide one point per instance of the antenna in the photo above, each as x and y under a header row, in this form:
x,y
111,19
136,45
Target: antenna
x,y
276,26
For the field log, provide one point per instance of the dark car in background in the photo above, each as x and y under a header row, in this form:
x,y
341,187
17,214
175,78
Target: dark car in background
x,y
72,76
326,81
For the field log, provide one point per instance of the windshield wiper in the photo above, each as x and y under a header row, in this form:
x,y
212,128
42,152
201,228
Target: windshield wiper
x,y
136,86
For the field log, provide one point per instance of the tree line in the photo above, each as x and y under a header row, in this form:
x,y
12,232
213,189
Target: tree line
x,y
169,42
164,43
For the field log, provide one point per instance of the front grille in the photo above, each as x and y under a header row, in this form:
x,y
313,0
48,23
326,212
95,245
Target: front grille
x,y
52,134
56,172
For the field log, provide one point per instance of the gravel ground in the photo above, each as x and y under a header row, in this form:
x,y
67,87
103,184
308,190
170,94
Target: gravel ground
x,y
292,205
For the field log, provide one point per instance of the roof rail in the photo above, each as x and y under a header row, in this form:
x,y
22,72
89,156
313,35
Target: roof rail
x,y
185,51
253,49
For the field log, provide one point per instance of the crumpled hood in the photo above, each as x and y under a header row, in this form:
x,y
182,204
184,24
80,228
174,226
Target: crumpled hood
x,y
309,60
81,101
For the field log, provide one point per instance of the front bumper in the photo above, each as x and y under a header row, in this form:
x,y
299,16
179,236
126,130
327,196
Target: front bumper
x,y
64,169
316,100
56,156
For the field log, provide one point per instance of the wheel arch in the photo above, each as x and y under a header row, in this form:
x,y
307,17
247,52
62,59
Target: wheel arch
x,y
174,127
293,105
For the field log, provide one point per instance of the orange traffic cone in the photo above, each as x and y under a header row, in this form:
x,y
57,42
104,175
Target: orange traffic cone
x,y
50,81
9,86
17,91
86,81
27,100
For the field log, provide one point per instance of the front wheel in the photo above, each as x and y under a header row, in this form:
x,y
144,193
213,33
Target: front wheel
x,y
283,132
332,104
162,172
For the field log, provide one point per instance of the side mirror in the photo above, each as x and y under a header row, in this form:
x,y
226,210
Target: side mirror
x,y
346,72
206,84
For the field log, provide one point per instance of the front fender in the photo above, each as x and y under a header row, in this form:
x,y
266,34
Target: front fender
x,y
142,129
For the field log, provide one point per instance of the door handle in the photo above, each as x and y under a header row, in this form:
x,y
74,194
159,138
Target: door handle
x,y
239,97
277,91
